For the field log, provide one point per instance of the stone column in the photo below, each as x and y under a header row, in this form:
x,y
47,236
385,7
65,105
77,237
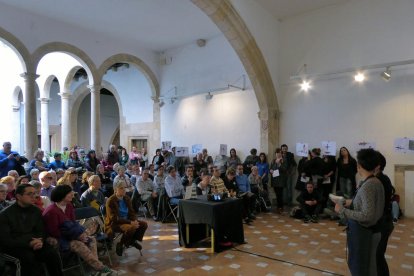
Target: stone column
x,y
44,123
156,133
30,125
96,117
65,124
269,131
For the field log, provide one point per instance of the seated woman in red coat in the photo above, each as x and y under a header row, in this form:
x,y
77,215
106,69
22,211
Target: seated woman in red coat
x,y
121,218
59,219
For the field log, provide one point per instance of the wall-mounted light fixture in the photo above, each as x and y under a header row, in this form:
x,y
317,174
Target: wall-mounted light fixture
x,y
386,75
209,96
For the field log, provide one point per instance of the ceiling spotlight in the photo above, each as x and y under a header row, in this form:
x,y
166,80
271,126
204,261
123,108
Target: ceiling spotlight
x,y
305,86
209,96
161,103
359,77
386,75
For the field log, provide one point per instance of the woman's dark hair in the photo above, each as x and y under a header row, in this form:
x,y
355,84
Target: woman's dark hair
x,y
170,168
381,160
235,152
60,192
265,158
368,159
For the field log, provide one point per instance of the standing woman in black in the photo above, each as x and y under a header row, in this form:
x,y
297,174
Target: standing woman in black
x,y
328,178
278,173
315,167
347,169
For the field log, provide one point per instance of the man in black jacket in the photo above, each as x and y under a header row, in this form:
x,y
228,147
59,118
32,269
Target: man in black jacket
x,y
288,159
310,203
22,235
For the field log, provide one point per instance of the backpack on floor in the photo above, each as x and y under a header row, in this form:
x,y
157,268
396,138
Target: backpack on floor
x,y
296,212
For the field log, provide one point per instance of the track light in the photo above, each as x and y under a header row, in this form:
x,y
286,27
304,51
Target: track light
x,y
359,77
386,75
305,86
209,96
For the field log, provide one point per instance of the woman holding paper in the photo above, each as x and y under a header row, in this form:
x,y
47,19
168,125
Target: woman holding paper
x,y
278,173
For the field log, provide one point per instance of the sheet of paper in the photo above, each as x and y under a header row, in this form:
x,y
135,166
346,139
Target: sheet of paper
x,y
326,180
166,145
275,173
304,179
302,149
328,148
181,151
223,149
197,148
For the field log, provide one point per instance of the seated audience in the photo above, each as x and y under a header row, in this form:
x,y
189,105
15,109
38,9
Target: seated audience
x,y
75,162
57,163
121,175
3,192
217,184
123,157
173,186
91,162
8,159
14,174
263,169
188,178
310,203
221,163
9,181
23,179
60,223
106,182
70,178
245,192
199,163
203,187
158,159
34,174
152,171
159,181
147,192
37,162
22,235
93,196
59,174
45,179
207,158
42,202
233,160
85,183
250,161
121,218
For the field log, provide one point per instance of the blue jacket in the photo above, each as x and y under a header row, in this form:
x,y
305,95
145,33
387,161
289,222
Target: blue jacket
x,y
243,183
6,164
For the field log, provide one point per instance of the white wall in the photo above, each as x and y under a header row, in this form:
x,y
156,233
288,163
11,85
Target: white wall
x,y
356,33
229,118
135,94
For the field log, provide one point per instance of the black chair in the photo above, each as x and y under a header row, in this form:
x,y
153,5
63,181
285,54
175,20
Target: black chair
x,y
169,210
9,265
100,236
139,205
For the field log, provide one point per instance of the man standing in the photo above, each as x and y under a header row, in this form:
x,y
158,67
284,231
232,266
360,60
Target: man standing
x,y
8,159
290,162
22,235
251,160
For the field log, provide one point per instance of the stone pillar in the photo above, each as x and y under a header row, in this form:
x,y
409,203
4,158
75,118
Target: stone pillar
x,y
156,133
269,131
65,123
44,123
96,117
30,125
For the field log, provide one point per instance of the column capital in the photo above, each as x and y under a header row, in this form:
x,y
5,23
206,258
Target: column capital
x,y
155,99
268,114
15,108
95,88
29,76
65,94
44,100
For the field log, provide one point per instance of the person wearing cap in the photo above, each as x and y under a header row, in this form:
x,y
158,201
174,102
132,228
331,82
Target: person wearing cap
x,y
121,218
57,163
22,235
55,218
46,178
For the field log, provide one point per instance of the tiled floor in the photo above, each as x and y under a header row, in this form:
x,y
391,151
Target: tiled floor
x,y
276,245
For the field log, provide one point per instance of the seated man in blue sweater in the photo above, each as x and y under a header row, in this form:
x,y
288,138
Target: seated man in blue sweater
x,y
58,163
245,192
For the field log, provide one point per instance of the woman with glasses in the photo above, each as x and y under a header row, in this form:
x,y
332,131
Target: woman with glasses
x,y
121,218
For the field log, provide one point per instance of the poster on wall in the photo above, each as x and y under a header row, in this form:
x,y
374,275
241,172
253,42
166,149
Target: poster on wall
x,y
401,145
223,149
197,148
181,151
166,145
328,148
302,149
365,145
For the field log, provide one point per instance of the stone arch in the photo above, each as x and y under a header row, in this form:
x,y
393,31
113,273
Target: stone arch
x,y
69,77
79,95
225,16
45,93
18,47
17,98
71,50
141,66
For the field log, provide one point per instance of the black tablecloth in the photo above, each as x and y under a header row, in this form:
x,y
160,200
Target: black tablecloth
x,y
225,217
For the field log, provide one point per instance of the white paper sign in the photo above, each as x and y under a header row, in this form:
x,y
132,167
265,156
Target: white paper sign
x,y
326,180
275,173
197,148
304,179
328,148
181,151
302,149
223,149
401,145
365,145
166,145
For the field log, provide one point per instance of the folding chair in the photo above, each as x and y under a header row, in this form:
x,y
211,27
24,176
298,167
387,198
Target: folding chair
x,y
100,236
14,261
138,205
168,209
